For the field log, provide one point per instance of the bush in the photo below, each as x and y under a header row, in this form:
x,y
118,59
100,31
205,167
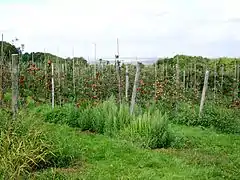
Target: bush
x,y
67,114
116,117
149,130
186,114
65,145
28,144
23,148
220,118
5,116
106,118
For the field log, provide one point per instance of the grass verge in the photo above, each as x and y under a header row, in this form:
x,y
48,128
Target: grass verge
x,y
206,155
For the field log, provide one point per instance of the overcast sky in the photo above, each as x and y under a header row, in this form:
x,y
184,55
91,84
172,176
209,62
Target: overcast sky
x,y
145,28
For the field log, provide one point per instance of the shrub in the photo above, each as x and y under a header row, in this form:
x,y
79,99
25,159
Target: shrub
x,y
65,145
149,130
62,115
222,119
28,144
106,118
23,148
5,116
117,117
186,114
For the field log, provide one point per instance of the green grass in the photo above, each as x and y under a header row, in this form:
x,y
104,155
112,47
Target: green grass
x,y
27,144
149,129
206,155
105,142
218,117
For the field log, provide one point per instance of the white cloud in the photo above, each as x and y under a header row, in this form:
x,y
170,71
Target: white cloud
x,y
144,28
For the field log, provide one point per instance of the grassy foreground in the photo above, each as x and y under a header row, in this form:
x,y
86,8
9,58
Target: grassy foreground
x,y
207,155
105,142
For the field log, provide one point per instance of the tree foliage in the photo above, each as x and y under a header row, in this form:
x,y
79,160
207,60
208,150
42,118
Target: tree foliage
x,y
201,62
8,50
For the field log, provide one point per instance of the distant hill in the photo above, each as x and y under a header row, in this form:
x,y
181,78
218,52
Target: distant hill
x,y
40,57
9,49
184,60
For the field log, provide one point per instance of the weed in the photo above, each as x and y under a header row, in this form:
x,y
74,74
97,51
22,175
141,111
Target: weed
x,y
149,130
24,148
27,144
218,117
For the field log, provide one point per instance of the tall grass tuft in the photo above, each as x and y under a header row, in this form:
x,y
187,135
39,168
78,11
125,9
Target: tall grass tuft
x,y
150,130
23,148
106,118
28,144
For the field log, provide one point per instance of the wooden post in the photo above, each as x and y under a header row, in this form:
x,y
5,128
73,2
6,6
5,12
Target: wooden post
x,y
215,79
155,74
236,82
32,58
95,61
237,90
222,78
10,64
63,74
205,86
59,80
127,83
119,81
46,75
118,71
73,74
163,70
177,74
65,67
184,80
15,90
135,85
1,74
167,70
52,85
195,75
188,76
65,84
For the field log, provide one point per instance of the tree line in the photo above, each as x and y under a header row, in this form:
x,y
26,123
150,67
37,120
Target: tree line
x,y
9,49
183,60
